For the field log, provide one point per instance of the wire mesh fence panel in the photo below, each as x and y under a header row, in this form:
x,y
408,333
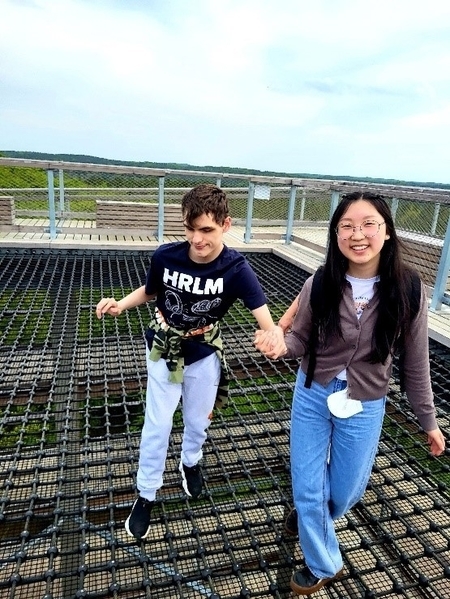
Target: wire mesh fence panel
x,y
27,187
422,217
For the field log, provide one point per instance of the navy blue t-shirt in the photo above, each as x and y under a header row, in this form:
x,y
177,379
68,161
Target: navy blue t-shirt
x,y
191,295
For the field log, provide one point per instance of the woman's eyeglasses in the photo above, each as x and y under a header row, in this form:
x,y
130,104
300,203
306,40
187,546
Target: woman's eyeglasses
x,y
369,228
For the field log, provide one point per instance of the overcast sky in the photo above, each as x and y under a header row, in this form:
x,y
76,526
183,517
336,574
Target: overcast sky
x,y
332,87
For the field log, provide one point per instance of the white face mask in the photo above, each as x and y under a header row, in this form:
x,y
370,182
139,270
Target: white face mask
x,y
341,406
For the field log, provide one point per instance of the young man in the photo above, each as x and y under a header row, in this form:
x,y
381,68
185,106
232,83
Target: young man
x,y
194,282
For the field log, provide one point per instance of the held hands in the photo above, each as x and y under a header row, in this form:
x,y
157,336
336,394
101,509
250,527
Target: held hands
x,y
108,305
436,441
271,343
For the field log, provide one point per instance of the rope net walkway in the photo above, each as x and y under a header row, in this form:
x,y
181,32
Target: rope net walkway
x,y
71,409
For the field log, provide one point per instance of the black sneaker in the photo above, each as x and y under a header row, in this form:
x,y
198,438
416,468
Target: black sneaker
x,y
191,479
137,524
303,582
291,524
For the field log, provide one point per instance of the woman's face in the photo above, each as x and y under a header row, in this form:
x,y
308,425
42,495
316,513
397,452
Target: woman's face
x,y
361,235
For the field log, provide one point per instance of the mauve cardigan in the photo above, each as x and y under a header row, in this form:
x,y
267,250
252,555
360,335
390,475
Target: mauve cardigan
x,y
366,381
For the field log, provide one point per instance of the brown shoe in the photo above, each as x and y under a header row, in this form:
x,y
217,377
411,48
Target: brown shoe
x,y
303,582
291,524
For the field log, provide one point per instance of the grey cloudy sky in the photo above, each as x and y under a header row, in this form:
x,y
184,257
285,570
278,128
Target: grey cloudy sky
x,y
334,87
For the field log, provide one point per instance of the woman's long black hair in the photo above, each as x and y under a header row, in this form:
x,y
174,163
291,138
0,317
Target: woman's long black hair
x,y
394,288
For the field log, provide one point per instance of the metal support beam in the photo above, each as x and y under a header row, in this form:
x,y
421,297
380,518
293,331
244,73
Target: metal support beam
x,y
437,208
248,224
394,208
334,202
61,191
442,272
51,204
160,233
291,212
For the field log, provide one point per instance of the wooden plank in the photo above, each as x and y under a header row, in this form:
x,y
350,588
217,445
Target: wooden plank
x,y
309,244
7,213
268,235
140,216
303,257
439,325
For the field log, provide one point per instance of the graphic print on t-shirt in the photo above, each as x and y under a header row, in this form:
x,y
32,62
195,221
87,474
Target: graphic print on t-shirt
x,y
180,300
361,304
363,292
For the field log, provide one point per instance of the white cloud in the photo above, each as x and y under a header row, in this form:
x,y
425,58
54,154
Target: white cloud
x,y
291,86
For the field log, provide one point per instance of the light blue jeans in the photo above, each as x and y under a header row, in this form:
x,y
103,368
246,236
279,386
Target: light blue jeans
x,y
331,462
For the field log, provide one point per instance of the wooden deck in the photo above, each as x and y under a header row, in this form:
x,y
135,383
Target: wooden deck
x,y
307,251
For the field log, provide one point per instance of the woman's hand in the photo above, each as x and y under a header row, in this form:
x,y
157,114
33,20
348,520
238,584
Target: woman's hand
x,y
271,343
436,441
287,319
285,322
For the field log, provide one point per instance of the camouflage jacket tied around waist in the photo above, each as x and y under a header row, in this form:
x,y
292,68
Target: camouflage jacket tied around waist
x,y
167,345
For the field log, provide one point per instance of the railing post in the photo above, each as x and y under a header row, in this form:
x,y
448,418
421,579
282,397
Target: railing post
x,y
303,205
437,208
61,190
219,182
442,272
394,208
334,202
291,211
160,234
248,224
51,204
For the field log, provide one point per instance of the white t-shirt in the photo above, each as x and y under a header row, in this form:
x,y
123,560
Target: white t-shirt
x,y
363,292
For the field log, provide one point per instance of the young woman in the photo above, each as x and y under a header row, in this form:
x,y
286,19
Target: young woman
x,y
364,314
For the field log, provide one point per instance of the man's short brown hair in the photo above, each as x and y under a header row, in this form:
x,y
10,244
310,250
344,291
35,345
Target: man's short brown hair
x,y
205,199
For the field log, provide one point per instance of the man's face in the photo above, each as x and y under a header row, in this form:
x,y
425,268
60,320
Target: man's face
x,y
205,237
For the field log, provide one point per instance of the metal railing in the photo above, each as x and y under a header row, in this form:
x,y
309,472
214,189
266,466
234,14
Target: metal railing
x,y
57,197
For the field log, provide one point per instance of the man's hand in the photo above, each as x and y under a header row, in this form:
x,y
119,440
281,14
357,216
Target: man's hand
x,y
271,343
108,305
